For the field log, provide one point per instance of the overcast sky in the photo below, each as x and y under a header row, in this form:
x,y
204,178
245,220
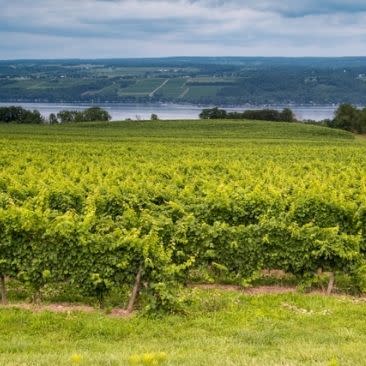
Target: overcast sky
x,y
152,28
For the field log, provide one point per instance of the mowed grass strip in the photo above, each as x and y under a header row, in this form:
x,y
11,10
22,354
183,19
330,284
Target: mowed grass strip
x,y
219,329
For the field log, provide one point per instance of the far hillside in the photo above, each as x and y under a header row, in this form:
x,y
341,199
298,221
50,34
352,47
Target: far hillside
x,y
196,80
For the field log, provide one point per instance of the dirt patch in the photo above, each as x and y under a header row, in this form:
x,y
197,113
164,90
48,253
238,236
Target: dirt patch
x,y
251,291
120,313
269,290
55,308
64,309
276,289
208,286
361,137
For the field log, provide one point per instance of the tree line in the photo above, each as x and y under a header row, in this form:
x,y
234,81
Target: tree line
x,y
347,117
19,115
87,115
286,115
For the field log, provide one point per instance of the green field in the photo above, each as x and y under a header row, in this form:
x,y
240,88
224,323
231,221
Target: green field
x,y
142,87
198,91
182,132
173,88
85,208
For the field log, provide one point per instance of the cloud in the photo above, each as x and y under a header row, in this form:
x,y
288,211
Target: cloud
x,y
118,28
302,8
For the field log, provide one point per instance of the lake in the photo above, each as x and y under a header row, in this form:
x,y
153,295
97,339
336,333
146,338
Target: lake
x,y
121,111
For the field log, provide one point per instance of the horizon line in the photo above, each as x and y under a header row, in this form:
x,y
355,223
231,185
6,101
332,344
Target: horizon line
x,y
180,57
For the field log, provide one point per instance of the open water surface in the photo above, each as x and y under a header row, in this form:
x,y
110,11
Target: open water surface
x,y
122,111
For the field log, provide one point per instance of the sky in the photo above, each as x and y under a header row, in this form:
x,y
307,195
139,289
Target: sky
x,y
157,28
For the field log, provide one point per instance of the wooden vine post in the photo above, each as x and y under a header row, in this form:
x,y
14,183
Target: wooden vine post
x,y
331,283
4,297
135,291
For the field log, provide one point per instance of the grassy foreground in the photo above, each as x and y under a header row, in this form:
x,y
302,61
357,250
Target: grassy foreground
x,y
220,329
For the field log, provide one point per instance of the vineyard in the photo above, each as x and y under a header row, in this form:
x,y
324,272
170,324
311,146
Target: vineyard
x,y
142,207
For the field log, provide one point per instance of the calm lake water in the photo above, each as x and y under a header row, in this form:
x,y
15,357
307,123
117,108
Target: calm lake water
x,y
121,111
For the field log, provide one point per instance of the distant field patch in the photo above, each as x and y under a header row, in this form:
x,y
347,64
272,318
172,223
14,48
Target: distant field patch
x,y
142,87
104,92
123,71
211,81
196,91
173,88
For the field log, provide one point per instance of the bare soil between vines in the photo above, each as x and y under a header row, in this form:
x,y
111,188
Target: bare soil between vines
x,y
69,308
64,308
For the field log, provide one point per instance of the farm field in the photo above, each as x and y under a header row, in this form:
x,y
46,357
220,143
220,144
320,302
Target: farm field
x,y
90,211
173,88
142,87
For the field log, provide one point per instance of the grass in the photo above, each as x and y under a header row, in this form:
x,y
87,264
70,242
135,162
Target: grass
x,y
221,328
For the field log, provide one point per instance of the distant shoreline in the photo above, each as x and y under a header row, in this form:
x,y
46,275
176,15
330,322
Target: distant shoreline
x,y
171,111
209,105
